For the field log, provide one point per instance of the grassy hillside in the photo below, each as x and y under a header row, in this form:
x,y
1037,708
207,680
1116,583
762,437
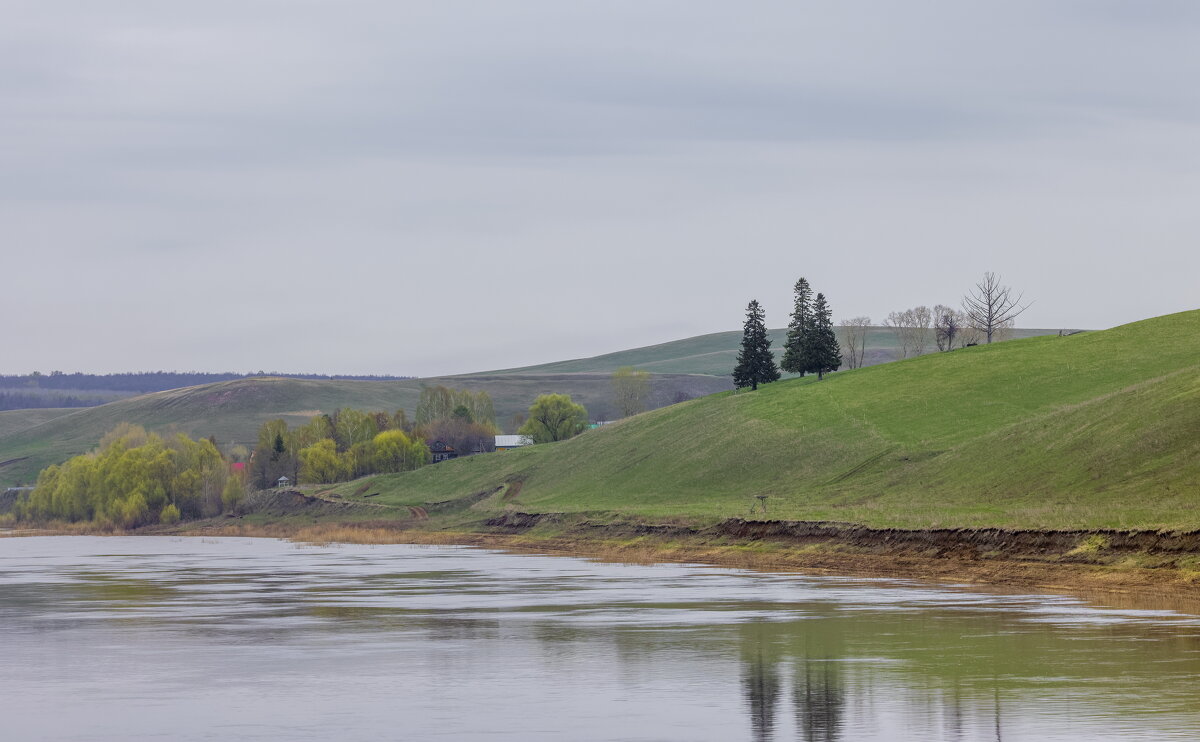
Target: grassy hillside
x,y
233,410
713,354
12,421
1094,430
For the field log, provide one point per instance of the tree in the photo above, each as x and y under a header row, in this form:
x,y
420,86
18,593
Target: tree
x,y
991,307
854,339
395,451
321,463
755,362
822,350
631,388
554,417
911,328
946,327
352,426
920,320
794,360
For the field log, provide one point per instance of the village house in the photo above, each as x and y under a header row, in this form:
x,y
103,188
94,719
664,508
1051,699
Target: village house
x,y
442,452
505,442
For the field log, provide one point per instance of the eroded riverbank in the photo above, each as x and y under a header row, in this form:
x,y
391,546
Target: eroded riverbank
x,y
1112,562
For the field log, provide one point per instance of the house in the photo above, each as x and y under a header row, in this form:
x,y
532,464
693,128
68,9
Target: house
x,y
283,482
442,452
505,442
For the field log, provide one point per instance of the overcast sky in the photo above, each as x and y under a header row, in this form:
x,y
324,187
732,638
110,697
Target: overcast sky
x,y
433,187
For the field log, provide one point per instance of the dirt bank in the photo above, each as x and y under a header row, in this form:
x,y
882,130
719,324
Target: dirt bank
x,y
1143,564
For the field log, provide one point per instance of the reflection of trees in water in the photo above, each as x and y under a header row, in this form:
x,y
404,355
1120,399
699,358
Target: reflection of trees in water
x,y
818,690
820,700
761,682
762,694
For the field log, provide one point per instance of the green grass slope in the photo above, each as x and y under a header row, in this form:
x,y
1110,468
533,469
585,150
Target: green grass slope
x,y
12,421
1094,430
714,354
233,410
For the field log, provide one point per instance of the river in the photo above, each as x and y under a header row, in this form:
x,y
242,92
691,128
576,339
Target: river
x,y
155,638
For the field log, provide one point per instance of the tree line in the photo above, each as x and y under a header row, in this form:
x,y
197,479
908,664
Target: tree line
x,y
986,313
353,443
811,345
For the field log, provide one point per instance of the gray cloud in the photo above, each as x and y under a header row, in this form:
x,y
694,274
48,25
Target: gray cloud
x,y
439,187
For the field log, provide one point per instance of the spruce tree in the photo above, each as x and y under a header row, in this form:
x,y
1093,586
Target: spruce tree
x,y
794,359
755,362
822,353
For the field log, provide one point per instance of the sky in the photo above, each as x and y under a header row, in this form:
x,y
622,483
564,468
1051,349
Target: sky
x,y
420,188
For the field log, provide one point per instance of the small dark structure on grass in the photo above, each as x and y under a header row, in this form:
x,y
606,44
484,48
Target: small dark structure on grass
x,y
441,451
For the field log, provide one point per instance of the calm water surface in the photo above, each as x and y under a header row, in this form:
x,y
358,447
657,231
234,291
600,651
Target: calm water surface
x,y
168,638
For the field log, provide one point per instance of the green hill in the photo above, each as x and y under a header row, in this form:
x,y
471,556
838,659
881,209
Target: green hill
x,y
714,354
1093,430
232,411
12,421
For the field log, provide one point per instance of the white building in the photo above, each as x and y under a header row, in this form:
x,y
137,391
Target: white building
x,y
505,442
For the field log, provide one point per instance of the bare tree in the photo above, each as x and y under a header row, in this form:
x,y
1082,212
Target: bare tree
x,y
991,307
912,329
968,334
854,340
946,326
899,326
920,319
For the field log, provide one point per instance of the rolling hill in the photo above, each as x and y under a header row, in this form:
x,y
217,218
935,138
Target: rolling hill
x,y
714,354
1097,430
232,411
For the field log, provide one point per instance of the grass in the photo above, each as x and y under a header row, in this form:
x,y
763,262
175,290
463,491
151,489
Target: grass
x,y
13,421
1098,430
232,411
714,354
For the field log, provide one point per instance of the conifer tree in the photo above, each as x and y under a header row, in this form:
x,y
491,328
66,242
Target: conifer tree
x,y
822,352
794,359
755,362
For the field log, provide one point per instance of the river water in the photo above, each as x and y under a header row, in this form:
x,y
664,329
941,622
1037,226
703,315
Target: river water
x,y
213,639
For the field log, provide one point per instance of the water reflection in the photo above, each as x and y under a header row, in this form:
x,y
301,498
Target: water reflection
x,y
147,637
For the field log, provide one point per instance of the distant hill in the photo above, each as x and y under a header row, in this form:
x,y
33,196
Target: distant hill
x,y
232,411
714,354
58,389
1096,430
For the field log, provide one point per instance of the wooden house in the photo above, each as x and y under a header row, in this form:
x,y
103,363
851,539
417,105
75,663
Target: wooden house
x,y
442,452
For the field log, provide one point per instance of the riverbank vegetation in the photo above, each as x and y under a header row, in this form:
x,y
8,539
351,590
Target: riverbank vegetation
x,y
135,478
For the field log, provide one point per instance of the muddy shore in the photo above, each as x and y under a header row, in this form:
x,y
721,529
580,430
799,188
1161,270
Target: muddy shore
x,y
1144,564
1147,565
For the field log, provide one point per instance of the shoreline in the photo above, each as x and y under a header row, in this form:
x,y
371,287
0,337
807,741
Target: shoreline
x,y
899,559
906,558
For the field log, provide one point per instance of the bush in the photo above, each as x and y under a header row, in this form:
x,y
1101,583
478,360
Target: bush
x,y
170,515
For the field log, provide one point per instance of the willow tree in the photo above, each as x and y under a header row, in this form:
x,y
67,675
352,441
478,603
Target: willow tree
x,y
554,417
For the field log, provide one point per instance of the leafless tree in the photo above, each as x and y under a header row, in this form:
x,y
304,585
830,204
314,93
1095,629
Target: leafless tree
x,y
991,307
912,329
854,340
899,326
967,333
946,326
920,319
